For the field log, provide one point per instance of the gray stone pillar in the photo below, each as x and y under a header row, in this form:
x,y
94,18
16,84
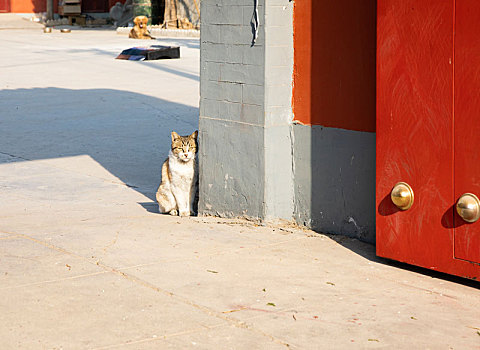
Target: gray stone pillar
x,y
49,9
245,110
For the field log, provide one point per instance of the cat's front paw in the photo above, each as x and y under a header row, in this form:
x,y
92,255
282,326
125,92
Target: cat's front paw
x,y
185,213
173,212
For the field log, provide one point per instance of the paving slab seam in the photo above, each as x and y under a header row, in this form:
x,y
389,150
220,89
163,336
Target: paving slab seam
x,y
383,276
18,196
421,289
290,311
56,280
204,309
112,243
46,244
98,262
62,211
224,252
184,300
69,170
160,338
120,270
10,237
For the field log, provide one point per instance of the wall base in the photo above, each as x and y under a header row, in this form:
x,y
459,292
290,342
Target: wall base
x,y
335,181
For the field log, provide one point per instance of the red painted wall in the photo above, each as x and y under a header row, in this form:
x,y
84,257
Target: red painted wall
x,y
30,6
36,6
334,63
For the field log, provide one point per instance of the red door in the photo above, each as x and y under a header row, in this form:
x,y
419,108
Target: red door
x,y
4,5
95,6
415,134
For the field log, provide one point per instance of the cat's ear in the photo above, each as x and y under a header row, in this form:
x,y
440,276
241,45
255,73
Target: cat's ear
x,y
175,136
194,135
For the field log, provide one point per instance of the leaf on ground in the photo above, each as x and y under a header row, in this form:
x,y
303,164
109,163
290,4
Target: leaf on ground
x,y
372,339
230,311
271,304
212,271
331,283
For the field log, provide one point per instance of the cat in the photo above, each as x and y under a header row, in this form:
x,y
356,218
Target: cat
x,y
177,190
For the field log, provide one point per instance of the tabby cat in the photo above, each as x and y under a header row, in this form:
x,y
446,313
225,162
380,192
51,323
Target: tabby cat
x,y
176,193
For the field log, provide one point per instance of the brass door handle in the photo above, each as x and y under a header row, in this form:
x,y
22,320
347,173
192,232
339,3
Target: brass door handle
x,y
468,207
402,196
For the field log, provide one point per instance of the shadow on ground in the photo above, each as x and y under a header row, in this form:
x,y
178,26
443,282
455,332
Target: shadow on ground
x,y
367,250
125,132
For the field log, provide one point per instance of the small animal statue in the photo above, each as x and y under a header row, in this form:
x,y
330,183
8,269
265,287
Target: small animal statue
x,y
121,13
176,193
140,31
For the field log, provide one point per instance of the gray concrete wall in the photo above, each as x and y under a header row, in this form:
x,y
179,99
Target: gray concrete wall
x,y
253,161
231,111
245,111
335,180
279,200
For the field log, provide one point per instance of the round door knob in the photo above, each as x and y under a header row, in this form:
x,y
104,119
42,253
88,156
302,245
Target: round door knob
x,y
402,196
468,207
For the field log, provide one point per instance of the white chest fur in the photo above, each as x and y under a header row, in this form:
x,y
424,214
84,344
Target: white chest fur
x,y
182,173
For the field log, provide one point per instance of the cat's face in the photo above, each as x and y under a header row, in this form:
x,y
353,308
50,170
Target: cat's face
x,y
184,147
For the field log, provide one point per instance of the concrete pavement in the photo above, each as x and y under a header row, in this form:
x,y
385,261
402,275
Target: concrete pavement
x,y
87,263
17,21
